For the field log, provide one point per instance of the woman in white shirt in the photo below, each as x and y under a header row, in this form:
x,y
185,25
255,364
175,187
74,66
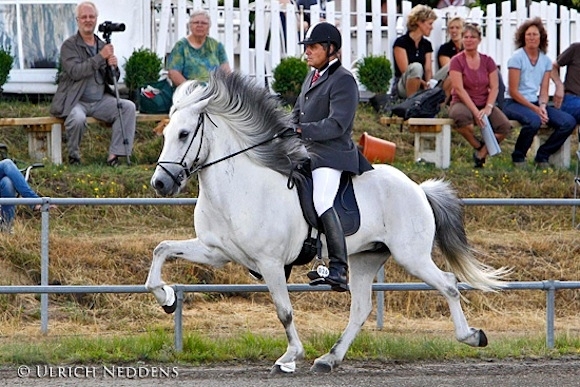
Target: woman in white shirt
x,y
529,71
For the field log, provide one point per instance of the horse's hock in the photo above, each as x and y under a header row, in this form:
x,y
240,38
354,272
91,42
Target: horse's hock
x,y
432,141
45,133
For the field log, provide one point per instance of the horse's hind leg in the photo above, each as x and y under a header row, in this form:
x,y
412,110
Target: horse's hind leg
x,y
423,267
363,269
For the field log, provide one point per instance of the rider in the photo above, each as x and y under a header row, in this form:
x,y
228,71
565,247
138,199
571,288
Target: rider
x,y
324,117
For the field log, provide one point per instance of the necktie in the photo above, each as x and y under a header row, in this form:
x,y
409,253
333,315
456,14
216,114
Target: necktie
x,y
315,77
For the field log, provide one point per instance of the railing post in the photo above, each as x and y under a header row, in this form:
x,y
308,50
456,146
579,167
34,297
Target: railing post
x,y
550,312
380,298
178,332
44,234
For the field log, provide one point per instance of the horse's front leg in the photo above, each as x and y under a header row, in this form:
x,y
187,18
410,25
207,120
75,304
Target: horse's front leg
x,y
276,281
192,250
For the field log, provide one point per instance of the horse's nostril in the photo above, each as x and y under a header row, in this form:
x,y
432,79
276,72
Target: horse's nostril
x,y
158,184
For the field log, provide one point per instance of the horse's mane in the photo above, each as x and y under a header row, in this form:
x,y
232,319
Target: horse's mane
x,y
253,114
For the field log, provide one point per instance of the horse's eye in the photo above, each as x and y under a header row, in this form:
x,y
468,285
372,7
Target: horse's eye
x,y
183,134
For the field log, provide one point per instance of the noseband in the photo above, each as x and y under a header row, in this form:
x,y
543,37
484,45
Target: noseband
x,y
186,171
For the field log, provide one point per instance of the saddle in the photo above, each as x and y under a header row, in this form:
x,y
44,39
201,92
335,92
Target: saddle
x,y
345,202
345,205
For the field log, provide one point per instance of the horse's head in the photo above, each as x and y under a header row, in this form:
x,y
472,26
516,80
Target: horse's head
x,y
245,120
183,140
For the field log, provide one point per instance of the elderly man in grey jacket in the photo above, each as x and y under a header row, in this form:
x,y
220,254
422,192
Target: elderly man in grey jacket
x,y
324,116
83,90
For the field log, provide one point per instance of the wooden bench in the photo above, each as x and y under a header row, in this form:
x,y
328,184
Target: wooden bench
x,y
433,141
45,133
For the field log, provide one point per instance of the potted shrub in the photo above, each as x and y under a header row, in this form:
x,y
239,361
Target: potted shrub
x,y
142,67
6,61
374,72
288,78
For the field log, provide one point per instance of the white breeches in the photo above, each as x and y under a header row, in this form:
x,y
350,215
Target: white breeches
x,y
325,183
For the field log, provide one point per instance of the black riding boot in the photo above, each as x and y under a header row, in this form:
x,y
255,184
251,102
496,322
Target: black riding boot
x,y
336,245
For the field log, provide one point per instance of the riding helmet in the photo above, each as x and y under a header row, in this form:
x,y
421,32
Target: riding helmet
x,y
323,32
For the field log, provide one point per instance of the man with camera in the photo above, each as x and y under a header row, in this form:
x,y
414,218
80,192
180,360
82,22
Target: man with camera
x,y
88,68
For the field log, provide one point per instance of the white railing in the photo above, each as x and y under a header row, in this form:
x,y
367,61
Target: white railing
x,y
367,34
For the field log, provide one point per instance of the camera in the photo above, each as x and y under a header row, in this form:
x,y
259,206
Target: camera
x,y
108,27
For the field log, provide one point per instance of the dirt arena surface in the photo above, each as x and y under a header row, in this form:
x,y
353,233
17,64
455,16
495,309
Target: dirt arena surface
x,y
506,373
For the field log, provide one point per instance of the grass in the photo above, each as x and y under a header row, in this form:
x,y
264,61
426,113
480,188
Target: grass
x,y
156,346
113,245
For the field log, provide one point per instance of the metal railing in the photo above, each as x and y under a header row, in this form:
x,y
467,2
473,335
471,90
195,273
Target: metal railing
x,y
550,286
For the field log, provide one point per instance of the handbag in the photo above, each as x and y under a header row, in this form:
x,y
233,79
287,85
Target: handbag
x,y
156,98
425,103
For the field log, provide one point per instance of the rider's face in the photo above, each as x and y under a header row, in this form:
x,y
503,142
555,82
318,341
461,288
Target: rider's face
x,y
315,55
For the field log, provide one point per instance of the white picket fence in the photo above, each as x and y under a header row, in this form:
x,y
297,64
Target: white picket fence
x,y
232,26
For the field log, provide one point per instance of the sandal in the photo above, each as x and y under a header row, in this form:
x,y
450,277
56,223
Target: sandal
x,y
113,161
478,163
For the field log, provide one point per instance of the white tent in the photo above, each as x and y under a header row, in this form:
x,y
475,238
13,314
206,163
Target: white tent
x,y
35,30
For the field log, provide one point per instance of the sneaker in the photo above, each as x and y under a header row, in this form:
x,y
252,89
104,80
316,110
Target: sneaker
x,y
6,227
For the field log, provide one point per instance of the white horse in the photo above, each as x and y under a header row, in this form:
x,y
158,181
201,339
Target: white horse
x,y
228,132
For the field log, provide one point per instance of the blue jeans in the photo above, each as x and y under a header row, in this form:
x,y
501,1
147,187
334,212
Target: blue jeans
x,y
571,105
12,182
562,123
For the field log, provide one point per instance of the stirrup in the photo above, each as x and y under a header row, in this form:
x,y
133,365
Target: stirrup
x,y
320,276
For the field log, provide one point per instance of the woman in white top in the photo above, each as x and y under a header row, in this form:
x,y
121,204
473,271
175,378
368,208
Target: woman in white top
x,y
529,72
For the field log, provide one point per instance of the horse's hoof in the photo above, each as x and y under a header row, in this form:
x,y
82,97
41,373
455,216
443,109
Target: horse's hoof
x,y
482,339
321,368
169,309
280,369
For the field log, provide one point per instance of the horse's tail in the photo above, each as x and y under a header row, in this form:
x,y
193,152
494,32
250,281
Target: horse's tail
x,y
452,239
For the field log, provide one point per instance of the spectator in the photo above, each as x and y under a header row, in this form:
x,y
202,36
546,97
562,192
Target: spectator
x,y
567,94
413,53
529,70
475,83
455,43
306,6
455,3
196,55
12,182
83,89
449,49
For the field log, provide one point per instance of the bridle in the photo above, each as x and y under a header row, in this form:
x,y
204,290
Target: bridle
x,y
186,171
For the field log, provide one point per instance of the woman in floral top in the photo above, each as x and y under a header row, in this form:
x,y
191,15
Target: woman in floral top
x,y
196,55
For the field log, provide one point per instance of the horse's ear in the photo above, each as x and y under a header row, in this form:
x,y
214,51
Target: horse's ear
x,y
200,106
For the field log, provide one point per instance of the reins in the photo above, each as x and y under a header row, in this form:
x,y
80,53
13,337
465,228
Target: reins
x,y
287,132
280,134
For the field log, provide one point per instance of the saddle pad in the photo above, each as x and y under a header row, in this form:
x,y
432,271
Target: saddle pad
x,y
345,202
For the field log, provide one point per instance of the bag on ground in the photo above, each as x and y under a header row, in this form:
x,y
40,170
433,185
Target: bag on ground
x,y
425,103
156,98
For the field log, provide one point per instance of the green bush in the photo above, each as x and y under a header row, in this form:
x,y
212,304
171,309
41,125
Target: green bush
x,y
6,61
142,67
375,72
289,76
